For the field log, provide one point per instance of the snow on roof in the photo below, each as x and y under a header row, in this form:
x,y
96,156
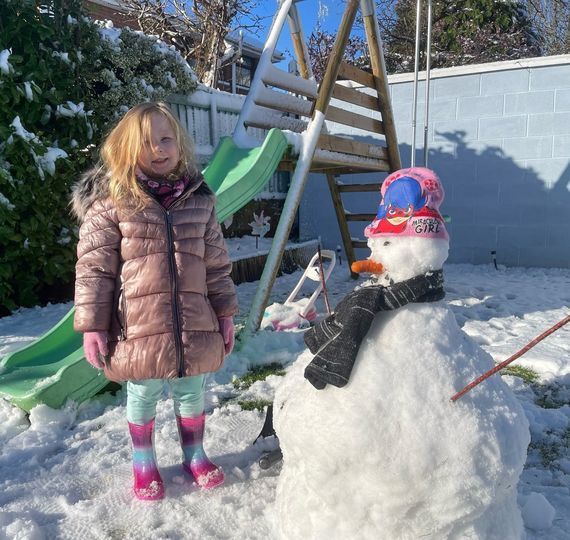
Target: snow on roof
x,y
251,45
117,4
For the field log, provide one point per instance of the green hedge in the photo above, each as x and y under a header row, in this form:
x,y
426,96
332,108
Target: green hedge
x,y
63,81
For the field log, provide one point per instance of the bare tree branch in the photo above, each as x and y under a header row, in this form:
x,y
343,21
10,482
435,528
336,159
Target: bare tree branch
x,y
197,28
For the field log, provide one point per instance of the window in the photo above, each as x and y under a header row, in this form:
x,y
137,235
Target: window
x,y
244,71
225,78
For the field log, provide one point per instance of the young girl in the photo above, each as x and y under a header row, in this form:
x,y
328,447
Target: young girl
x,y
153,294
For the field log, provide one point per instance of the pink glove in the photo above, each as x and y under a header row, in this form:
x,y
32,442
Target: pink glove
x,y
95,348
227,329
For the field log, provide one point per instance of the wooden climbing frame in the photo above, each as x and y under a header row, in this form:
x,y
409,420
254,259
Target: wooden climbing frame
x,y
295,103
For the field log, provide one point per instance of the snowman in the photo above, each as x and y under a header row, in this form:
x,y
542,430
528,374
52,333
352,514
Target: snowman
x,y
373,447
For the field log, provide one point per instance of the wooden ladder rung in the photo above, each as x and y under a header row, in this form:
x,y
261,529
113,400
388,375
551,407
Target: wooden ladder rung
x,y
281,122
359,217
335,114
287,81
352,73
344,93
358,188
359,243
338,170
325,159
284,102
334,143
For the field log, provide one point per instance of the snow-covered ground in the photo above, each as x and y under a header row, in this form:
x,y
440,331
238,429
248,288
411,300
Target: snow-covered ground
x,y
67,474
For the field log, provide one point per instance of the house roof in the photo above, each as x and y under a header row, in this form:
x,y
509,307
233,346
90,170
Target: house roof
x,y
250,46
109,3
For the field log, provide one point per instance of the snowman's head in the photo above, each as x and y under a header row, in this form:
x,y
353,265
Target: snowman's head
x,y
408,235
405,257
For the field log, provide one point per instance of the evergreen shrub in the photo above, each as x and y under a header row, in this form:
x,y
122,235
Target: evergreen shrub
x,y
64,80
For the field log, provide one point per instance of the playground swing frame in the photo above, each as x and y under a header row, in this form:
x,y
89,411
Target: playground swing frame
x,y
314,132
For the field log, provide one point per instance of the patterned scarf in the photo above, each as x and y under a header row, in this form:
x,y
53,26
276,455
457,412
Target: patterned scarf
x,y
164,191
335,341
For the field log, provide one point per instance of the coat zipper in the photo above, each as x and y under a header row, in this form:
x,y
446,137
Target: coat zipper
x,y
174,294
174,281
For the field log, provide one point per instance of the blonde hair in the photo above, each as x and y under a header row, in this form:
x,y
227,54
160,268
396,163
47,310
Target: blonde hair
x,y
122,147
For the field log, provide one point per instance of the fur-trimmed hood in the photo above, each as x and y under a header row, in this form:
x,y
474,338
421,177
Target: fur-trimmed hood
x,y
94,185
91,186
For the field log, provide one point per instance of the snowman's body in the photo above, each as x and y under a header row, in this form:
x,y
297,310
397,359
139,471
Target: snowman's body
x,y
389,456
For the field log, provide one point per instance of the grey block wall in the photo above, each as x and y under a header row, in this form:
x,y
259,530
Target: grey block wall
x,y
499,137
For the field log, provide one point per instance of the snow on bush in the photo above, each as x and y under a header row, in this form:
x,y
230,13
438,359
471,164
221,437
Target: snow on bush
x,y
132,67
56,101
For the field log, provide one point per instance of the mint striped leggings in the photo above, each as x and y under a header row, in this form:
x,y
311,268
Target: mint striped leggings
x,y
142,396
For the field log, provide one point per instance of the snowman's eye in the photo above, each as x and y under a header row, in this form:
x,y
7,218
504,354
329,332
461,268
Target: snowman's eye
x,y
386,243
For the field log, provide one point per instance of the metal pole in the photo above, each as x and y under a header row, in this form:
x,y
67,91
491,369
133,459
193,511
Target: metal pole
x,y
428,65
416,69
263,66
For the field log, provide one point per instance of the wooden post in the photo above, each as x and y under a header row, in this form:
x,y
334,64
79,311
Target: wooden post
x,y
333,65
381,80
342,224
299,44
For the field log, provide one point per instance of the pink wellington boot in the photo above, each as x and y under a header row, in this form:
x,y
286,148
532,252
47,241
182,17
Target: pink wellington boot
x,y
191,431
148,484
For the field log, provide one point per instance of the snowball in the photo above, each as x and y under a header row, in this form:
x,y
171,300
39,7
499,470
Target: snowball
x,y
537,512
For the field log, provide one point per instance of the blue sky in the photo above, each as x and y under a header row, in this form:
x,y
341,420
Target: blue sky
x,y
308,11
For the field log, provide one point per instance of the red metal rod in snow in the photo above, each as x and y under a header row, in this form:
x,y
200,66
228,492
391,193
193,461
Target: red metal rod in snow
x,y
500,366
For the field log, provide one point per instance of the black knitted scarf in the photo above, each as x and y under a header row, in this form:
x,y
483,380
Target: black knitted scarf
x,y
335,340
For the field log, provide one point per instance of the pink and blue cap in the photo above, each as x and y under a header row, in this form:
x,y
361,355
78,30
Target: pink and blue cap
x,y
409,206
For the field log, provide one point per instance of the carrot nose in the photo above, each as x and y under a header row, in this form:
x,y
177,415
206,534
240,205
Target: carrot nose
x,y
366,266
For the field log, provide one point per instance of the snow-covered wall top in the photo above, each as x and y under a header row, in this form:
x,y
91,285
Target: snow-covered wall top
x,y
499,137
208,115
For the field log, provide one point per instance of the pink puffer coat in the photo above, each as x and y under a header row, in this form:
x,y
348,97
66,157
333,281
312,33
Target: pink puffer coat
x,y
156,281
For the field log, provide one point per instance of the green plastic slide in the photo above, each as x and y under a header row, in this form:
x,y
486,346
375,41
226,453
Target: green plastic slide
x,y
53,369
237,175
